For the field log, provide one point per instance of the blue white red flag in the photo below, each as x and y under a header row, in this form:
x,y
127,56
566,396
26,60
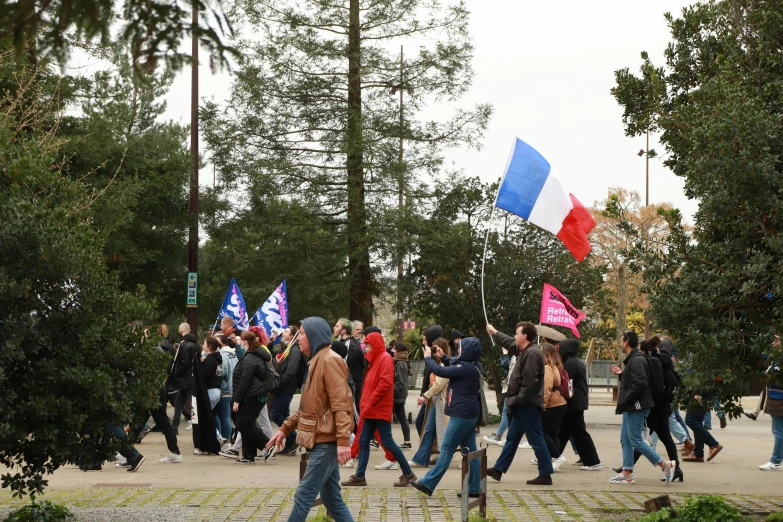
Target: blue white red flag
x,y
274,312
530,190
234,307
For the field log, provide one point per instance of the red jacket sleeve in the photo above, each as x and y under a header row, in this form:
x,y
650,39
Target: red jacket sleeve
x,y
385,381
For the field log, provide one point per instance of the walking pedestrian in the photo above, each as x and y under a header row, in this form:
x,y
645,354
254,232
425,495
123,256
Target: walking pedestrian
x,y
292,368
634,403
355,357
181,376
324,422
400,358
250,396
774,408
223,408
525,398
434,402
554,404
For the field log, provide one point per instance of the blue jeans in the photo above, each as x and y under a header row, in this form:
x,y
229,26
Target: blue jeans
x,y
459,432
384,430
223,416
503,421
631,438
322,476
525,420
695,420
119,433
420,418
423,454
777,431
681,422
281,409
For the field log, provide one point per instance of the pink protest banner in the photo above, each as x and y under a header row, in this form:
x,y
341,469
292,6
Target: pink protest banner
x,y
557,310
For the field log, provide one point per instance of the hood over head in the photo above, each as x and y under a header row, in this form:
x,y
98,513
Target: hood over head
x,y
432,333
318,333
569,348
375,340
666,346
471,350
190,337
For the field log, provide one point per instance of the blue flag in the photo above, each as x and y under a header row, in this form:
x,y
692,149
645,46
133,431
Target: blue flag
x,y
234,307
274,312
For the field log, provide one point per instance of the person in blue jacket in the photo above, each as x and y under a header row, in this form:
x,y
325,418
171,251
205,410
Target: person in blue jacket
x,y
463,409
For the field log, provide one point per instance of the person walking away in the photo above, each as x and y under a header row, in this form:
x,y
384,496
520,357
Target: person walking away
x,y
376,411
181,377
223,408
355,358
634,402
554,404
774,408
250,395
324,422
400,358
525,398
463,408
292,367
212,368
434,399
573,425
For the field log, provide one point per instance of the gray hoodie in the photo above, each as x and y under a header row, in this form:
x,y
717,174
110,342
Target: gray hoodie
x,y
318,333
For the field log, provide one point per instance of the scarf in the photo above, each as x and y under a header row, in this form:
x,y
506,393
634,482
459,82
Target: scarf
x,y
400,356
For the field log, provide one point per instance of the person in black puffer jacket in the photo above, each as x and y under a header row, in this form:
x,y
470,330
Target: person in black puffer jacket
x,y
250,395
574,422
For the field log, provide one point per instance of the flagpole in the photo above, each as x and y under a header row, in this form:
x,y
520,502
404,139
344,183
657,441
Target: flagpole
x,y
483,261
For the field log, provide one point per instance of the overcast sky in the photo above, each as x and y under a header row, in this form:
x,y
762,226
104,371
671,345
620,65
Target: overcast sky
x,y
547,68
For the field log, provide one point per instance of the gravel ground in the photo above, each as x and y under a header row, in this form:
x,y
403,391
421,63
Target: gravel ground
x,y
129,514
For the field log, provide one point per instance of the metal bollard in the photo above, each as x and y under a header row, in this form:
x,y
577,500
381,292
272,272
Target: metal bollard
x,y
480,502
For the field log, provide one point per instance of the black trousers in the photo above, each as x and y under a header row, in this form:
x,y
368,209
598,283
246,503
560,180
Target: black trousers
x,y
573,425
183,405
161,419
399,411
658,422
420,418
253,437
550,424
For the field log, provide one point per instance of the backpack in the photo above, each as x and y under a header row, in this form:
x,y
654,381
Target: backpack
x,y
271,377
656,379
566,385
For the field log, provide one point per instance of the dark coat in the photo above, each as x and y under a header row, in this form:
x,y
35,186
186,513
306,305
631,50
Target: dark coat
x,y
464,375
400,381
209,367
569,353
526,382
356,362
634,393
291,370
248,376
181,374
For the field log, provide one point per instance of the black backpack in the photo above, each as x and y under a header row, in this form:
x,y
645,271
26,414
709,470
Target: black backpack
x,y
656,379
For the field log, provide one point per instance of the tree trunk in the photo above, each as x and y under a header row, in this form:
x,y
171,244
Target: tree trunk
x,y
621,325
360,291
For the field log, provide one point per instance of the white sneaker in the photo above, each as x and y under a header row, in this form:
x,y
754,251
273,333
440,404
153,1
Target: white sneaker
x,y
225,447
494,439
525,445
190,426
349,464
622,479
171,458
387,465
534,461
558,462
592,468
769,466
668,466
199,452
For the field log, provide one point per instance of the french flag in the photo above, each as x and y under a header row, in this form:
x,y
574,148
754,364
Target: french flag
x,y
530,190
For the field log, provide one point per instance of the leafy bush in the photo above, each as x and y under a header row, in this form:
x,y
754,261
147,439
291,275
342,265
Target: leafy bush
x,y
775,517
41,512
663,515
700,509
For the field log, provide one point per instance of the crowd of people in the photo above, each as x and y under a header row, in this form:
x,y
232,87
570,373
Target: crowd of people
x,y
353,384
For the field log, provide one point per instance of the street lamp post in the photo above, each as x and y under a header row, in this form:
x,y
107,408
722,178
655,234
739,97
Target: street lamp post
x,y
192,310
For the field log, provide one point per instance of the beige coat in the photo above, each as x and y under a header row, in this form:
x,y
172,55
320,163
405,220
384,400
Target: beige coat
x,y
552,396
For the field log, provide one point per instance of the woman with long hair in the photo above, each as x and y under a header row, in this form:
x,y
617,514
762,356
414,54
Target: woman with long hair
x,y
435,419
554,403
250,395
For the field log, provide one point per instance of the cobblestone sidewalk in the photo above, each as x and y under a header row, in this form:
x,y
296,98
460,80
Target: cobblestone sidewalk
x,y
393,505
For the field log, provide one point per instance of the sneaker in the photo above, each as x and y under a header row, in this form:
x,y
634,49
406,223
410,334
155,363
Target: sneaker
x,y
122,464
534,461
270,453
291,451
229,454
354,481
751,416
668,466
374,444
622,479
577,463
494,439
225,448
136,464
714,450
199,452
243,460
405,480
421,487
143,433
525,445
769,466
595,467
351,463
171,458
406,446
190,426
559,461
387,465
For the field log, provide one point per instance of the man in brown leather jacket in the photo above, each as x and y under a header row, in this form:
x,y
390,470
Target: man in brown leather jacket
x,y
326,397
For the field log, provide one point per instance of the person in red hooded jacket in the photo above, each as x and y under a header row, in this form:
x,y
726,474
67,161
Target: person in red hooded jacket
x,y
376,411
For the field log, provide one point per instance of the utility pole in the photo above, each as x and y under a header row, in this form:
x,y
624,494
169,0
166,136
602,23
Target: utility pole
x,y
193,228
401,183
647,204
